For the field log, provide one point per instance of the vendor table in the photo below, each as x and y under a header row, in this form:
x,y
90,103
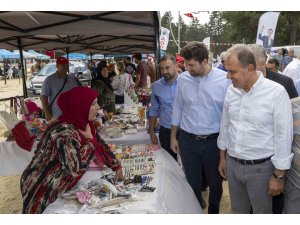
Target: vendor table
x,y
13,159
141,137
173,194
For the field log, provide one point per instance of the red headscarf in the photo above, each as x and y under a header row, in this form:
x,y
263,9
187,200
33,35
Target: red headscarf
x,y
75,106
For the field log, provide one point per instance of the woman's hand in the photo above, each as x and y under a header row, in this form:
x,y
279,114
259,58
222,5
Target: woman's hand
x,y
87,133
119,175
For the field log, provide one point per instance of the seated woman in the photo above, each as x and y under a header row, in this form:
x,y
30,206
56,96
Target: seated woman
x,y
65,151
102,84
121,82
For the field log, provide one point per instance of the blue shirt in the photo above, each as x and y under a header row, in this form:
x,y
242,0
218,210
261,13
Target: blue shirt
x,y
222,67
287,60
198,102
162,101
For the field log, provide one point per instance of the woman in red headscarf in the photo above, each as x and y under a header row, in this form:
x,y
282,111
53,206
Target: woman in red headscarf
x,y
65,151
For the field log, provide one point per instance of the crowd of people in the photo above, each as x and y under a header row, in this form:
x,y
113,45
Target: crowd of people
x,y
231,122
9,71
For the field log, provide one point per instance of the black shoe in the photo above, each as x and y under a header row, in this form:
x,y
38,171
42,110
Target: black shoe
x,y
203,203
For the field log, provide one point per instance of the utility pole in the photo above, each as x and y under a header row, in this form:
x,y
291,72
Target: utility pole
x,y
179,32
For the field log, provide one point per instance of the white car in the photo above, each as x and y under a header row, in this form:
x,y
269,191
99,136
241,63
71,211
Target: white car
x,y
78,68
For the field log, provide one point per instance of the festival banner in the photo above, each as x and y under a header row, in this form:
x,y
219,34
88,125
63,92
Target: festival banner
x,y
206,41
266,30
164,38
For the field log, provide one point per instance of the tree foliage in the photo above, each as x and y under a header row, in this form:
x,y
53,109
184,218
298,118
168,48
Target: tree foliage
x,y
232,27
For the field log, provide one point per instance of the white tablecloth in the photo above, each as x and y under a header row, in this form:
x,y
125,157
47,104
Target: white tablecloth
x,y
13,159
172,195
141,137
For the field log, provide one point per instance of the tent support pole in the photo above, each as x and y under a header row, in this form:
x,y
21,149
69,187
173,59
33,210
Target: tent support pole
x,y
67,51
157,43
24,77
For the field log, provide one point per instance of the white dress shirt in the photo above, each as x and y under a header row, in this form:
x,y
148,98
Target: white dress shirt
x,y
292,70
258,124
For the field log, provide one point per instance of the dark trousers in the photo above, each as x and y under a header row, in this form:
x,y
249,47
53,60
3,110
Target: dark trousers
x,y
164,139
198,155
277,204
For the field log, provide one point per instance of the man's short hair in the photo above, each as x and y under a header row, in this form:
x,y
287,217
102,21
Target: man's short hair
x,y
168,57
259,52
138,56
244,55
128,58
195,50
273,60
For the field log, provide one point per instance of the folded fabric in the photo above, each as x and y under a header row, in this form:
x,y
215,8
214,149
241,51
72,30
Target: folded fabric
x,y
22,136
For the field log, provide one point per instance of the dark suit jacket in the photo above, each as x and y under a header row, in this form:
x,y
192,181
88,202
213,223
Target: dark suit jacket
x,y
285,81
265,40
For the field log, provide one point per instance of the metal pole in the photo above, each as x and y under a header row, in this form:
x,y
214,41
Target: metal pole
x,y
4,72
67,51
157,42
179,24
22,68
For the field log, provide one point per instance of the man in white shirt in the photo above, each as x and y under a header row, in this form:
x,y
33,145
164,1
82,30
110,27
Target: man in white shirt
x,y
255,136
292,70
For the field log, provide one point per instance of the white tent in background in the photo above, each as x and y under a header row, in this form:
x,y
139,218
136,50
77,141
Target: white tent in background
x,y
26,55
39,55
97,56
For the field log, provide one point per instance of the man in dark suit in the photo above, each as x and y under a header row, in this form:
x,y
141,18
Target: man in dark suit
x,y
267,40
288,84
285,81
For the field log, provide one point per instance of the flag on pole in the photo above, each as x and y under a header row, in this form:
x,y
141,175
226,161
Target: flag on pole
x,y
266,30
206,41
189,15
164,38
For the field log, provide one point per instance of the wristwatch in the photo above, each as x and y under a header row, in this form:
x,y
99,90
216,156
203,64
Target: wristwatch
x,y
279,177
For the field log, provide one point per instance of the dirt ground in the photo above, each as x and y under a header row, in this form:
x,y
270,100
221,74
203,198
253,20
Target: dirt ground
x,y
10,196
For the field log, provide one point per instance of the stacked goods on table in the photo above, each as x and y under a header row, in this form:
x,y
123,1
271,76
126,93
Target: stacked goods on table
x,y
136,159
126,123
103,195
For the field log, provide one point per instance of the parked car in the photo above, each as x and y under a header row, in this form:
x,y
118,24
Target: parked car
x,y
286,48
79,69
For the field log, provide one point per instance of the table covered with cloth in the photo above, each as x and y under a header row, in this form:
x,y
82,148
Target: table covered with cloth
x,y
173,194
14,159
141,137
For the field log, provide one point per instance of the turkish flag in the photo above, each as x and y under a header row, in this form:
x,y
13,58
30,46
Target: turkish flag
x,y
189,15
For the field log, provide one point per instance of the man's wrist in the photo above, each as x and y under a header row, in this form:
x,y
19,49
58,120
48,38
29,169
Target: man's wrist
x,y
278,177
278,172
